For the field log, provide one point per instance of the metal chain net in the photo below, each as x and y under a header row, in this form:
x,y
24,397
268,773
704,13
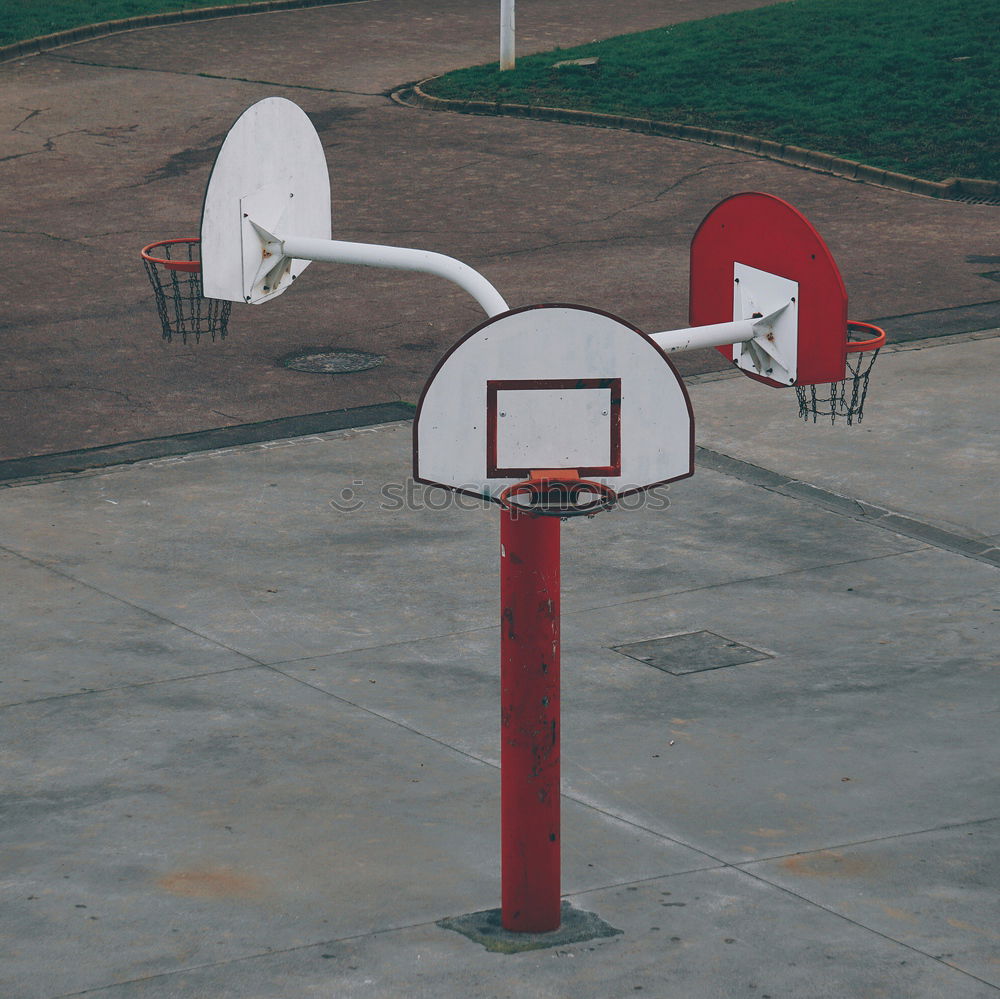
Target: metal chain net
x,y
844,399
182,309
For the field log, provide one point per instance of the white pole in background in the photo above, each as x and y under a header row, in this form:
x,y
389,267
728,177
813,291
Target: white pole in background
x,y
506,34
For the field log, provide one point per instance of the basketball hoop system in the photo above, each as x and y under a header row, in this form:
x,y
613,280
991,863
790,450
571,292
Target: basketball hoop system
x,y
550,411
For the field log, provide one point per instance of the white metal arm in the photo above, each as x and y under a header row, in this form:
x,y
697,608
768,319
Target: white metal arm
x,y
764,334
277,250
716,335
757,339
764,344
402,259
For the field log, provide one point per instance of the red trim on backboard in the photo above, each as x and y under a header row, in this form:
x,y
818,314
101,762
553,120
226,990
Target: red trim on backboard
x,y
507,385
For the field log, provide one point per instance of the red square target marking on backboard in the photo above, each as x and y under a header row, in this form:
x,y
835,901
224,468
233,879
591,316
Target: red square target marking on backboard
x,y
564,423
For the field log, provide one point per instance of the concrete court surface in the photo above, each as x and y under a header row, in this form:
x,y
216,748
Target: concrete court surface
x,y
250,726
107,145
249,704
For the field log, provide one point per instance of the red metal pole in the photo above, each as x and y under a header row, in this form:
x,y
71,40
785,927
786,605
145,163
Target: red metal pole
x,y
529,722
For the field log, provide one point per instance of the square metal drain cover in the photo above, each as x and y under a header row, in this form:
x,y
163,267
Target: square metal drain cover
x,y
691,653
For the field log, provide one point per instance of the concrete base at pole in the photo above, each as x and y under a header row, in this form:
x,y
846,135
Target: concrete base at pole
x,y
487,929
529,722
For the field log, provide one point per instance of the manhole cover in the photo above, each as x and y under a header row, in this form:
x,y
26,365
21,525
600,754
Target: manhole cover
x,y
692,653
332,362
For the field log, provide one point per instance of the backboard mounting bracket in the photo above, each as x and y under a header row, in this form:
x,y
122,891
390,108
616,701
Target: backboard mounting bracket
x,y
273,269
764,331
773,301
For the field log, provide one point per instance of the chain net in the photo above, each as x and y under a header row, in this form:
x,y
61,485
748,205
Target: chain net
x,y
174,271
844,399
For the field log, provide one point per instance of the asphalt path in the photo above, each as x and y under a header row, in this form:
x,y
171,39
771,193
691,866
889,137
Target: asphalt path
x,y
106,145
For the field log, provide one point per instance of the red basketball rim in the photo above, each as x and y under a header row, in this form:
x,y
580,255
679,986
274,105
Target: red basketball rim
x,y
190,266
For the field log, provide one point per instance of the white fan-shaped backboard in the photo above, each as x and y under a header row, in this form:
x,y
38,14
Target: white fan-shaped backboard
x,y
271,170
553,387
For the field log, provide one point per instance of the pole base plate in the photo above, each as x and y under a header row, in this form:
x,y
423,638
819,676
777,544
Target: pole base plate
x,y
485,928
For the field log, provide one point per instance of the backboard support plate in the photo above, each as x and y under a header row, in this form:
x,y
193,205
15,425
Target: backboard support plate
x,y
774,352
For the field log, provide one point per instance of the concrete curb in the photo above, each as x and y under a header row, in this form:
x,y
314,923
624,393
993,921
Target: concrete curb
x,y
952,189
982,550
14,470
43,43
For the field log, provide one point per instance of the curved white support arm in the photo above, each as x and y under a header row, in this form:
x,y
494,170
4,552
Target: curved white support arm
x,y
716,335
765,345
398,258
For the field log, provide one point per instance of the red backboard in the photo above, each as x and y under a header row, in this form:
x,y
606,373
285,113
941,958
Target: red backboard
x,y
762,231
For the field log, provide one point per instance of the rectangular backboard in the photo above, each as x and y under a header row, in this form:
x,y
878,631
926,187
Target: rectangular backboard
x,y
553,424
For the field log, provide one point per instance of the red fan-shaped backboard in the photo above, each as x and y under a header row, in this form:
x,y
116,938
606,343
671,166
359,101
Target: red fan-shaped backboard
x,y
762,231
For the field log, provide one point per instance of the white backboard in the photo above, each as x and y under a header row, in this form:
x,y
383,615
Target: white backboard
x,y
553,387
271,170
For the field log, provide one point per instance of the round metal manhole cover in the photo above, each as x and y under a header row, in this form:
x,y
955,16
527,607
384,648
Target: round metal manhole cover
x,y
332,362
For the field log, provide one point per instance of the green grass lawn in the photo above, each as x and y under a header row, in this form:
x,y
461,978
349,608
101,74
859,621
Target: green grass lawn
x,y
20,19
905,85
